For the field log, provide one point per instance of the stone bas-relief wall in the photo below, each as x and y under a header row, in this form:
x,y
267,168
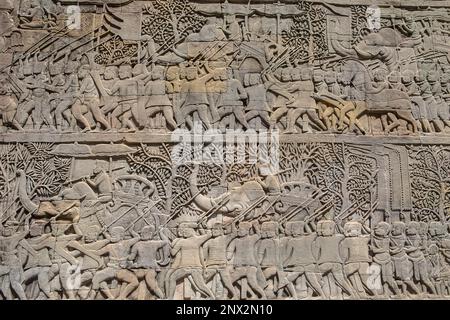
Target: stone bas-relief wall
x,y
348,196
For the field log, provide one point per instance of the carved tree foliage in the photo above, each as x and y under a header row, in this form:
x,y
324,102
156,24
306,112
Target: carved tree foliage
x,y
45,173
307,37
430,182
115,51
170,21
349,177
156,166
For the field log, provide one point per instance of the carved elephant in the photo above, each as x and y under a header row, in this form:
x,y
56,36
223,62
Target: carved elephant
x,y
240,198
66,211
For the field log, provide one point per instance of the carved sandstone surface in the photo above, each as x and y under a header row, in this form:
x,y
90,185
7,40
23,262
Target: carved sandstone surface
x,y
176,149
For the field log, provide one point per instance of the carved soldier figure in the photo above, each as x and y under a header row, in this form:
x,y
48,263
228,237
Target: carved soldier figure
x,y
381,256
35,17
130,89
268,180
195,97
394,80
327,252
188,260
89,263
281,102
402,265
8,105
231,101
88,96
355,248
257,105
270,260
101,183
419,108
427,96
60,256
174,84
299,259
117,251
326,110
443,110
215,254
302,89
145,256
38,264
10,264
158,100
242,250
417,257
67,96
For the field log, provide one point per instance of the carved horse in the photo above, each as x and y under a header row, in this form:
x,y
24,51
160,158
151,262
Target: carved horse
x,y
390,103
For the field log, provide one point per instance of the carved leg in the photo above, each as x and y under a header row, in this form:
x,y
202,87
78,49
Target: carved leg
x,y
15,278
204,116
168,114
77,112
131,280
253,282
200,283
99,281
99,116
312,114
292,116
276,115
226,280
150,279
171,281
240,116
407,116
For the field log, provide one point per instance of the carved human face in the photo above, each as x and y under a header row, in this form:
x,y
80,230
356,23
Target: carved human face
x,y
398,228
147,233
306,74
255,79
124,72
318,77
92,234
423,228
419,77
352,229
189,232
244,230
158,74
382,229
110,73
413,228
8,231
36,230
394,78
83,73
217,232
435,229
172,74
286,75
117,234
271,231
330,78
298,228
328,228
433,77
296,76
191,74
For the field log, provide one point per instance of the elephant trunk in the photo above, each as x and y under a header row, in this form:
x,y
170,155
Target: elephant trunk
x,y
203,202
25,200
